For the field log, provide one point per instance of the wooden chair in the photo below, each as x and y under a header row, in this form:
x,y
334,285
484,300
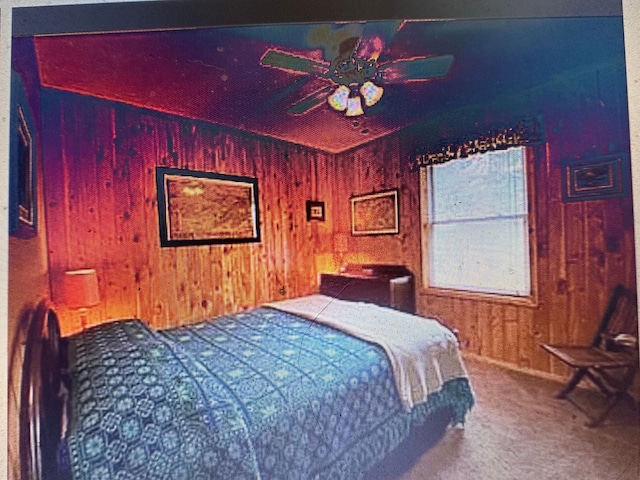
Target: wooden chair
x,y
611,361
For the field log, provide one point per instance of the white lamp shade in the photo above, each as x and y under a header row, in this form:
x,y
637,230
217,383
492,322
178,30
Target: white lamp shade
x,y
354,107
81,288
338,99
371,93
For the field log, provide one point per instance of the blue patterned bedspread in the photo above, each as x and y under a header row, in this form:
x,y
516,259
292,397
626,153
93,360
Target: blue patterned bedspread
x,y
257,395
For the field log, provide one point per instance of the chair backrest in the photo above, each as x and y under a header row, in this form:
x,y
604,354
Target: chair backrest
x,y
621,315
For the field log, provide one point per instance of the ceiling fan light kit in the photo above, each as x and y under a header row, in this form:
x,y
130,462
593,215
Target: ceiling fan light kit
x,y
356,73
350,99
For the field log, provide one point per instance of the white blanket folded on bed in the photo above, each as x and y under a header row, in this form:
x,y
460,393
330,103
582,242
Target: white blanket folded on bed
x,y
423,353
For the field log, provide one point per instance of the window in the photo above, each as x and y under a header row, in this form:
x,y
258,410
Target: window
x,y
476,230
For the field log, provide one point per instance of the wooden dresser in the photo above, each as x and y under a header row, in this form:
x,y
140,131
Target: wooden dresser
x,y
386,285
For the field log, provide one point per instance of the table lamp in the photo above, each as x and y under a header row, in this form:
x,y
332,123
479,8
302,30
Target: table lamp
x,y
81,291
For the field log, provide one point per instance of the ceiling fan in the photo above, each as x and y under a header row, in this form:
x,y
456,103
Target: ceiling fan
x,y
357,77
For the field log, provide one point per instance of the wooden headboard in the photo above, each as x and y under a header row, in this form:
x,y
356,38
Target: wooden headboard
x,y
41,403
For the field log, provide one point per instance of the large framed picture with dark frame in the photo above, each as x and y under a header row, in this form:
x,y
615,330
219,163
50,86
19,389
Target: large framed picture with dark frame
x,y
202,208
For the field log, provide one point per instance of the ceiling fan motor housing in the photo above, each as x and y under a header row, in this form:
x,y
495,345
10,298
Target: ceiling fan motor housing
x,y
354,71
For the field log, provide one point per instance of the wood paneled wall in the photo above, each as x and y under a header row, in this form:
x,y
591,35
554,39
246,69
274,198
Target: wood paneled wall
x,y
582,250
375,167
102,214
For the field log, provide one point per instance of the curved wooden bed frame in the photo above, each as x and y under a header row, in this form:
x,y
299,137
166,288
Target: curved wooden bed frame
x,y
42,401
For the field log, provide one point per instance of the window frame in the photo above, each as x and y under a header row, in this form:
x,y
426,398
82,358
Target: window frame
x,y
425,234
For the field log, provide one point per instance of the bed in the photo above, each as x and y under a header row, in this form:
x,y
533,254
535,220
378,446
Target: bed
x,y
263,394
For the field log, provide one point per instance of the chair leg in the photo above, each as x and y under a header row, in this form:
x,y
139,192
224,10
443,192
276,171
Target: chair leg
x,y
594,422
571,384
598,382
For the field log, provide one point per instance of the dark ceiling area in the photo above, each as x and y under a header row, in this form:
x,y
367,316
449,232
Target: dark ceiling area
x,y
216,75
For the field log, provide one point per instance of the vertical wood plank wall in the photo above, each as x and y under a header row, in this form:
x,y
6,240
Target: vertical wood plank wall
x,y
102,213
582,249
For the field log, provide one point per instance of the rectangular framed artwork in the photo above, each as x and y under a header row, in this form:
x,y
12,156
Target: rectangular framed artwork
x,y
375,213
201,208
22,186
315,210
595,179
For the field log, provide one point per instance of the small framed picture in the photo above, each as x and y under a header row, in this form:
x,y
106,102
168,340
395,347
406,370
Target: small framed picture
x,y
596,178
315,211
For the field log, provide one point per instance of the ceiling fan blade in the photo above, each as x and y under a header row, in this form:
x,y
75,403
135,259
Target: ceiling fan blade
x,y
376,36
421,68
310,102
293,63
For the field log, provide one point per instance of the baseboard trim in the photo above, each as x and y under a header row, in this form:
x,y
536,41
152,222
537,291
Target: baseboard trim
x,y
510,366
634,391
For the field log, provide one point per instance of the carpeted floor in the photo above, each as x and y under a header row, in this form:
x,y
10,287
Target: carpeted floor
x,y
517,430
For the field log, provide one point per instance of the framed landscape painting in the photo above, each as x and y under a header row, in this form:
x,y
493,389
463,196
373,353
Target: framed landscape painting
x,y
375,213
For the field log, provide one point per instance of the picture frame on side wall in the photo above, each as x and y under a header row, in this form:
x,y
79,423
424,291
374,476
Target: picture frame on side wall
x,y
375,213
595,178
22,165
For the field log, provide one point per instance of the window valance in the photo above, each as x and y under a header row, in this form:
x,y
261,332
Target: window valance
x,y
528,131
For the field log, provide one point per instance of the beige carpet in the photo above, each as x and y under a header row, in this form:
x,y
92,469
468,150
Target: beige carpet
x,y
517,430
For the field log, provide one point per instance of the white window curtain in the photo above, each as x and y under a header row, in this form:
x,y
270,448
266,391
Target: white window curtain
x,y
478,220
